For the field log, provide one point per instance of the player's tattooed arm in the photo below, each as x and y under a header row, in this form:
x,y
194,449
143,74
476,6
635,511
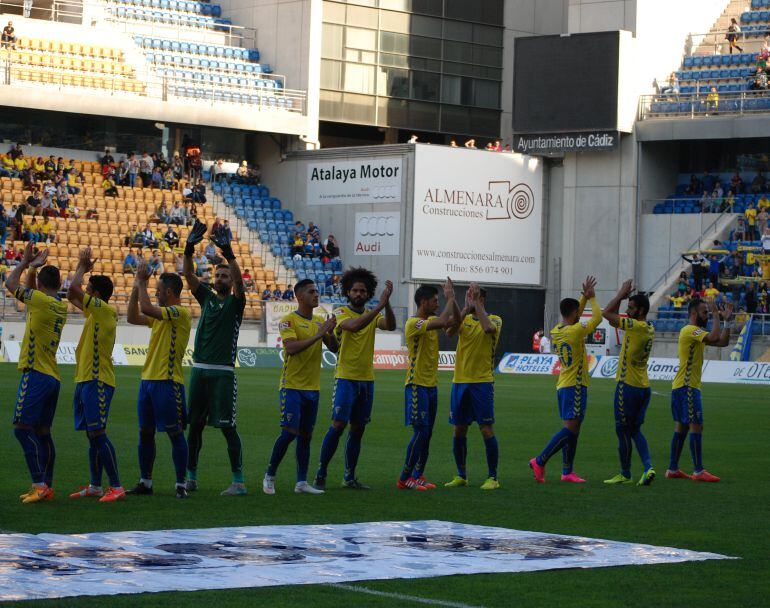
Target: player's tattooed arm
x,y
611,312
75,290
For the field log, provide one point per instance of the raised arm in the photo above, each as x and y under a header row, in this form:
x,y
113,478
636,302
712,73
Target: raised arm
x,y
294,346
454,327
611,311
146,307
589,293
481,313
357,324
188,268
75,291
451,310
135,316
222,240
718,336
28,259
388,323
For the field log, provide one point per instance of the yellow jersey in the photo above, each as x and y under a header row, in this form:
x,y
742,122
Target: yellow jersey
x,y
475,358
355,359
46,316
569,343
423,352
168,342
634,352
691,349
93,355
751,216
303,370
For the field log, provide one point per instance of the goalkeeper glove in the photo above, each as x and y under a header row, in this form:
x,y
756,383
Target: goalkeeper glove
x,y
222,240
195,237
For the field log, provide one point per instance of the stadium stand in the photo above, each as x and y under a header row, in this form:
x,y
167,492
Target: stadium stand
x,y
688,196
109,223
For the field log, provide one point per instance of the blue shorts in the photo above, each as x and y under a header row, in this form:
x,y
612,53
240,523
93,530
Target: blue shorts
x,y
162,406
420,405
631,404
353,400
36,399
472,401
299,409
92,405
686,406
573,401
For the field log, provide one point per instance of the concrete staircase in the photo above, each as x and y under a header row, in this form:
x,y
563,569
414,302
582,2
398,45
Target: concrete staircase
x,y
716,40
271,262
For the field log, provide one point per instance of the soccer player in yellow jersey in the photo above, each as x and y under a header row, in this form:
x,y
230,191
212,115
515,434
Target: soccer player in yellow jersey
x,y
354,379
420,386
569,343
95,377
161,403
686,404
632,393
40,380
302,334
473,386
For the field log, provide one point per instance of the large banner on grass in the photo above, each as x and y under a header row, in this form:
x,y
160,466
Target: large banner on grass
x,y
46,566
658,368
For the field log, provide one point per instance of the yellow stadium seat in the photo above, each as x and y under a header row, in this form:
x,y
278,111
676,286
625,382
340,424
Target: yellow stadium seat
x,y
67,80
77,48
34,44
55,46
45,45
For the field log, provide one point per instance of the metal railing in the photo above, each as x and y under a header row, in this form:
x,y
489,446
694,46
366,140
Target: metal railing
x,y
715,42
164,88
760,323
698,105
681,203
63,11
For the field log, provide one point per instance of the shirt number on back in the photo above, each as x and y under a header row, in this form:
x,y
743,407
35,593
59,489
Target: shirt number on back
x,y
565,354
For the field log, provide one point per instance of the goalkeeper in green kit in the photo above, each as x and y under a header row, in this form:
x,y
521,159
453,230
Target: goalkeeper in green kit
x,y
213,387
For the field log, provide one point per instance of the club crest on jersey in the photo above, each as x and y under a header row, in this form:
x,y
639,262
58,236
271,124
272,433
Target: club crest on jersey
x,y
419,323
284,325
698,332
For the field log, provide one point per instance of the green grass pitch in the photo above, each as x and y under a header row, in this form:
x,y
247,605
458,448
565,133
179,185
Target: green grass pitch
x,y
730,517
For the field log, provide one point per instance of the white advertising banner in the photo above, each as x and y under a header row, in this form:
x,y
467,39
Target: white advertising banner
x,y
377,233
477,216
372,180
658,368
737,372
275,311
46,566
65,355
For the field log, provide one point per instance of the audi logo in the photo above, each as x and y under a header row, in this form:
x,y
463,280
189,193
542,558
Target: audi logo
x,y
377,225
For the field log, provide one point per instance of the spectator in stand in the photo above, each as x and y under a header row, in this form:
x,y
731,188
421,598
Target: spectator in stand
x,y
155,263
740,229
762,221
168,177
199,192
74,179
330,247
8,169
763,202
4,268
728,203
453,144
267,294
177,215
201,264
179,263
298,247
162,214
759,81
62,196
157,180
412,139
705,202
20,165
34,202
470,144
171,238
758,183
38,167
751,223
133,169
9,36
696,264
313,230
110,188
242,173
672,88
47,233
711,291
766,241
277,294
32,231
299,228
149,237
694,187
712,101
716,196
211,254
678,299
732,35
5,223
309,249
248,282
288,295
130,263
146,165
107,159
750,298
177,166
715,262
707,181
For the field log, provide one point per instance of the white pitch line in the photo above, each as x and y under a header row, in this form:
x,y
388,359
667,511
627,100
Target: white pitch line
x,y
403,597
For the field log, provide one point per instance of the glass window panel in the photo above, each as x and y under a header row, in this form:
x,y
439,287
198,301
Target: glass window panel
x,y
392,112
397,83
487,55
458,31
483,34
330,106
455,119
419,63
331,74
331,45
394,43
492,11
425,47
359,108
359,78
395,22
396,5
427,7
364,17
363,2
426,26
486,94
334,12
425,85
450,89
458,51
485,122
401,61
423,116
357,38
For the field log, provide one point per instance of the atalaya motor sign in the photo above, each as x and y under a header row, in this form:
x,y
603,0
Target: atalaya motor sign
x,y
372,180
477,216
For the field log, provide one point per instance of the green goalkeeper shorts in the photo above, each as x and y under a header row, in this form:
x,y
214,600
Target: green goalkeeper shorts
x,y
212,398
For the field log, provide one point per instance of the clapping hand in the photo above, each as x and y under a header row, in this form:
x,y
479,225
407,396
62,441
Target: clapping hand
x,y
387,291
327,327
449,289
85,261
143,271
589,287
626,289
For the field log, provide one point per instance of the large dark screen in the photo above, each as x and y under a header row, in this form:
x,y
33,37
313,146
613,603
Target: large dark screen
x,y
566,83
